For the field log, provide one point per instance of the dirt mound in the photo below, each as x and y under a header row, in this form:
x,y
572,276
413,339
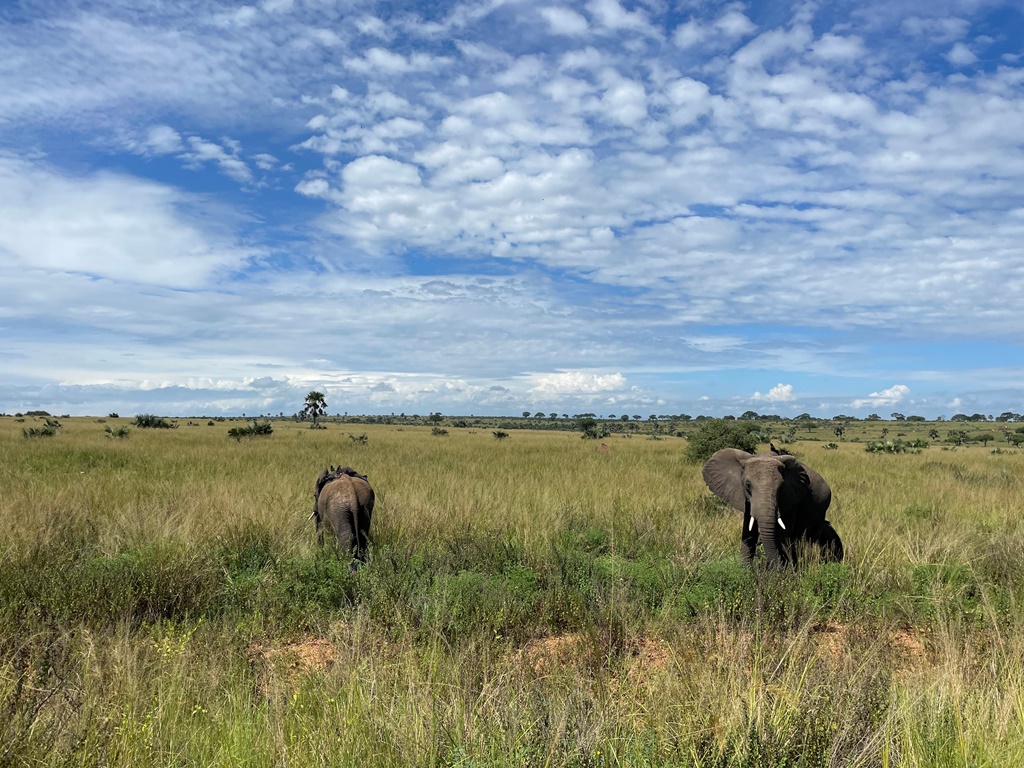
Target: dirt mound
x,y
284,664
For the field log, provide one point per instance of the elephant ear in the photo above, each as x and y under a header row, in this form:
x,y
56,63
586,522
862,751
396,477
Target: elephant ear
x,y
321,481
806,487
723,473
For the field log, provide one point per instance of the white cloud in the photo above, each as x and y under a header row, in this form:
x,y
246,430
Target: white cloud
x,y
564,21
961,56
576,383
780,393
838,48
611,15
264,161
229,162
890,396
937,30
108,225
163,140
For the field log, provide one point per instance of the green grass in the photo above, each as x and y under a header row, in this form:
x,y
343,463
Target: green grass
x,y
537,600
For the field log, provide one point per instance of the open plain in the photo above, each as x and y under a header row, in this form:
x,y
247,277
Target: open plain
x,y
534,600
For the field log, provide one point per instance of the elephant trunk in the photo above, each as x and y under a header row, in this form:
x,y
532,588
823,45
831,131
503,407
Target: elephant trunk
x,y
765,509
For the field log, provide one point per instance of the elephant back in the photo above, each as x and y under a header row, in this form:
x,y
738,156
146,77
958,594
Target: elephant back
x,y
351,491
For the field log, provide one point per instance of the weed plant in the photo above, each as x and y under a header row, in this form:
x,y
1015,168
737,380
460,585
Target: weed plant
x,y
537,601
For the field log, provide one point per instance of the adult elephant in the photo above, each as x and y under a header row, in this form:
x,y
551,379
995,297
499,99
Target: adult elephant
x,y
343,501
782,501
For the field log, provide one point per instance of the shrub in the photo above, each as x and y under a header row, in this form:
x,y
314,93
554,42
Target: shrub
x,y
253,429
48,430
896,446
360,439
149,421
715,434
438,432
499,434
118,432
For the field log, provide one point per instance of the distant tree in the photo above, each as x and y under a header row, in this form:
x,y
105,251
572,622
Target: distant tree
x,y
747,415
1008,416
624,417
652,417
978,417
872,417
437,418
802,417
898,417
915,418
526,414
552,416
315,407
933,434
957,437
959,417
539,415
113,415
714,434
984,437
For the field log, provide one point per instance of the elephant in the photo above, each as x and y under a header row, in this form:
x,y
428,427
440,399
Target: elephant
x,y
782,501
343,501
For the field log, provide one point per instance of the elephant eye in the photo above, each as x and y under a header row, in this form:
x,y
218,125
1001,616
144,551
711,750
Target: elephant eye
x,y
746,487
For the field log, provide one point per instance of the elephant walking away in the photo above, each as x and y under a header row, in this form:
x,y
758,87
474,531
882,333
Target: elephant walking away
x,y
782,500
343,502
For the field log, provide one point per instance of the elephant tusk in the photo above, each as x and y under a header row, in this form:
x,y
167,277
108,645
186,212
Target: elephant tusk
x,y
751,526
782,525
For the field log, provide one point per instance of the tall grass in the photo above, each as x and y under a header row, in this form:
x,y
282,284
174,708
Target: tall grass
x,y
530,601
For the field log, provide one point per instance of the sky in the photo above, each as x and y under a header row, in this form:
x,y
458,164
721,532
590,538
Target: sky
x,y
642,207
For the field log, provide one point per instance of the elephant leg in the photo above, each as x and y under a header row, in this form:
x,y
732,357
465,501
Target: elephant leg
x,y
788,548
362,541
748,540
829,542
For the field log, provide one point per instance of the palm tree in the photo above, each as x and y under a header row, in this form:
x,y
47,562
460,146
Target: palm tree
x,y
316,406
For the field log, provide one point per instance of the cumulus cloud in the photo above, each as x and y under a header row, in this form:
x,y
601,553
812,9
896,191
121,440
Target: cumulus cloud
x,y
780,393
576,383
890,396
961,56
109,225
564,21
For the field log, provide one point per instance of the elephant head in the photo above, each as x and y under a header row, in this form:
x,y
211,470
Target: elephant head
x,y
782,501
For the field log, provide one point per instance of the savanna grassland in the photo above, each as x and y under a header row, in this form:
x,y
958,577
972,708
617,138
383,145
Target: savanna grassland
x,y
536,600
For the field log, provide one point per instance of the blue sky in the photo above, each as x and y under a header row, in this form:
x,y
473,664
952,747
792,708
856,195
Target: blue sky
x,y
614,207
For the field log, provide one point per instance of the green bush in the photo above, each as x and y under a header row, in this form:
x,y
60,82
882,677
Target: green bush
x,y
48,430
253,429
715,434
149,421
